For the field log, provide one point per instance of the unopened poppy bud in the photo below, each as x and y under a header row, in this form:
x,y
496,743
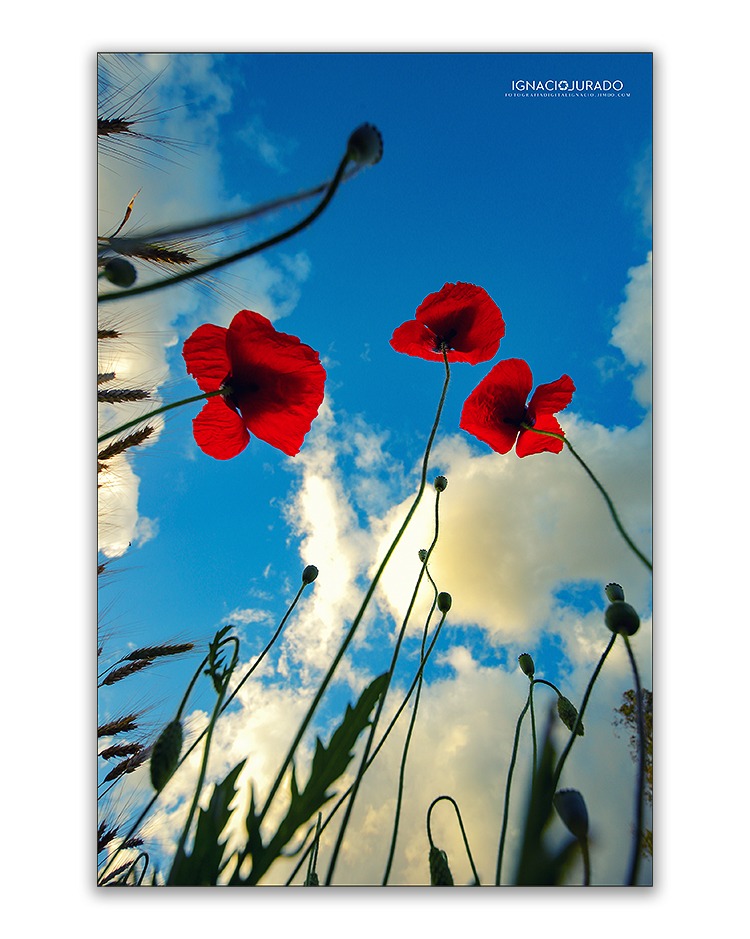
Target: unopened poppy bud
x,y
422,555
526,664
444,602
165,754
569,715
440,483
614,592
365,145
440,873
572,810
621,617
309,574
120,272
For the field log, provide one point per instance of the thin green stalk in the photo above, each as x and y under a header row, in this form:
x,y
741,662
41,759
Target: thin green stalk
x,y
579,720
412,722
602,490
508,783
394,721
239,255
161,410
636,850
358,618
584,843
206,749
533,726
463,832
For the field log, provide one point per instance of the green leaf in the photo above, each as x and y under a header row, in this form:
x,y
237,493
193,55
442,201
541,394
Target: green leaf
x,y
329,763
201,868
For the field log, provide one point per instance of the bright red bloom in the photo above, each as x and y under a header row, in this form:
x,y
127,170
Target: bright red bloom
x,y
496,409
463,317
273,383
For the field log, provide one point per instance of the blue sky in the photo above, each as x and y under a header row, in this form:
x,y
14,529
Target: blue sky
x,y
542,200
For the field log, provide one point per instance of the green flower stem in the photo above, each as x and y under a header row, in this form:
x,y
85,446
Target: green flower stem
x,y
636,851
610,504
412,722
358,618
394,721
239,255
161,410
461,826
584,843
504,828
533,725
579,720
204,761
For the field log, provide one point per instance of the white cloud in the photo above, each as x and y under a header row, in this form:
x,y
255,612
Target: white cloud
x,y
632,333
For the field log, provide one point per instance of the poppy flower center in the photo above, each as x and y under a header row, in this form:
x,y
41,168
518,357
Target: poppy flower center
x,y
525,418
444,342
231,389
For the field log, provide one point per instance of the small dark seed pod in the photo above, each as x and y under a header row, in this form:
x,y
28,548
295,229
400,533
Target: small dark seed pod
x,y
614,592
365,145
622,618
120,272
526,664
440,873
440,483
444,602
309,574
165,754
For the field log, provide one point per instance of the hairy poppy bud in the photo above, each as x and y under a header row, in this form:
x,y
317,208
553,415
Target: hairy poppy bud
x,y
309,574
569,715
422,555
440,483
526,664
365,145
440,873
120,272
165,754
614,592
572,810
621,617
444,602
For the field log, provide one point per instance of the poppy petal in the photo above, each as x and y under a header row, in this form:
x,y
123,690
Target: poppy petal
x,y
467,318
219,430
552,397
463,316
413,338
277,381
205,354
494,410
529,442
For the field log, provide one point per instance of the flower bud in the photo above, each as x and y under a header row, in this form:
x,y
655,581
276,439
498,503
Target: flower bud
x,y
440,483
614,592
572,810
422,555
569,715
365,145
622,618
309,574
526,664
440,873
120,272
165,754
444,602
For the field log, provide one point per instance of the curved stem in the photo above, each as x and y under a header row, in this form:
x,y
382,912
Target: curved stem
x,y
239,255
602,490
358,618
161,410
636,850
508,782
394,721
579,719
463,832
584,843
412,722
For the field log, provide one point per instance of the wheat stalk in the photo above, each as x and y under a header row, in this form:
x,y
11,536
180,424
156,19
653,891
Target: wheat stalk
x,y
118,726
120,395
119,446
121,749
124,671
154,652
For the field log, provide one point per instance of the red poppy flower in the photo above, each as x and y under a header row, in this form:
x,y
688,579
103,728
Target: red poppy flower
x,y
462,317
496,409
273,385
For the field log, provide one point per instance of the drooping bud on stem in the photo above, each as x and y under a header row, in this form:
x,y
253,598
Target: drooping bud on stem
x,y
309,574
444,602
572,810
440,873
166,754
365,145
120,272
569,715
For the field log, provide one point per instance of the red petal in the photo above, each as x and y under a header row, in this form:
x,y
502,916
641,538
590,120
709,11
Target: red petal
x,y
277,381
415,339
467,318
529,442
219,430
205,354
552,397
495,409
